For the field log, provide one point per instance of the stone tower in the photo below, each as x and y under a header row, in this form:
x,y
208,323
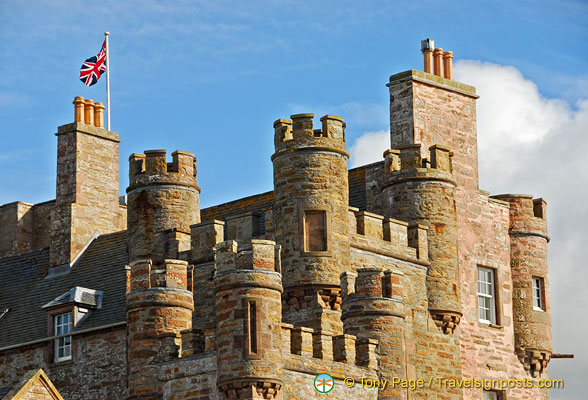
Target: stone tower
x,y
248,305
163,201
423,192
310,212
530,296
373,308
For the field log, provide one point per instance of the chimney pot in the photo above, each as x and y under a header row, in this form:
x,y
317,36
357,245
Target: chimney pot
x,y
438,56
99,115
89,112
448,64
78,109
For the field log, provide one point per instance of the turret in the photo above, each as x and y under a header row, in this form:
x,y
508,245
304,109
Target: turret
x,y
161,196
310,217
248,307
163,201
530,293
373,308
422,191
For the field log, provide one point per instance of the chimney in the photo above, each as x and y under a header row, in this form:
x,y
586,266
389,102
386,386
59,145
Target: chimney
x,y
448,64
438,55
87,190
427,47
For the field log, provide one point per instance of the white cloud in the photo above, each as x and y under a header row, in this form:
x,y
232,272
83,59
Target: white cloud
x,y
532,144
369,148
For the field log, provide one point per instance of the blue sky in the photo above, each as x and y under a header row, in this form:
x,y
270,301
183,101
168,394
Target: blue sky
x,y
211,77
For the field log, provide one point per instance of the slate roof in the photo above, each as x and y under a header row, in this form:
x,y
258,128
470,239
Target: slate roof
x,y
24,290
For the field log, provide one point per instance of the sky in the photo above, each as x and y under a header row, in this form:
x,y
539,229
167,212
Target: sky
x,y
210,77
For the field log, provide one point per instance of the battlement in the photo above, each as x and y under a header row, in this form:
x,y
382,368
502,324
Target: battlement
x,y
379,234
372,282
152,168
527,215
319,344
88,112
409,158
299,133
171,274
372,291
256,256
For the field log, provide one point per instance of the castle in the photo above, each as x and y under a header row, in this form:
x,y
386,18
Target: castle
x,y
397,278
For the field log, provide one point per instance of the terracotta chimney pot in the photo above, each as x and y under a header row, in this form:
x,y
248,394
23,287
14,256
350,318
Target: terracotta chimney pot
x,y
448,64
78,109
438,55
99,115
89,112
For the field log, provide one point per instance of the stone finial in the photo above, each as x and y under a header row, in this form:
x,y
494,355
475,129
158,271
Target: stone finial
x,y
448,64
99,115
79,109
89,111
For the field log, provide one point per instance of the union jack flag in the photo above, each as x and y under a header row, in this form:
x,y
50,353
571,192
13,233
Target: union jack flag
x,y
94,67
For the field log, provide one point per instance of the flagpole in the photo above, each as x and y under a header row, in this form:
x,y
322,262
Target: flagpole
x,y
107,82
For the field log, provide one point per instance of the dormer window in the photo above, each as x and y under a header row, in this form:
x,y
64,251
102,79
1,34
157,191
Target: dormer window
x,y
63,326
65,314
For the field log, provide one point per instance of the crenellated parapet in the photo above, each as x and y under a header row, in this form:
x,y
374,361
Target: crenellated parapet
x,y
308,344
530,295
248,309
388,236
163,200
152,168
422,191
298,133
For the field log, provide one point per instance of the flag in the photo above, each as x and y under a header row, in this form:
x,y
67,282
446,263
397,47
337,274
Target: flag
x,y
94,67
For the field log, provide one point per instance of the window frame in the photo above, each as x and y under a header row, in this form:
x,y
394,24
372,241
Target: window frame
x,y
538,293
64,342
492,309
306,233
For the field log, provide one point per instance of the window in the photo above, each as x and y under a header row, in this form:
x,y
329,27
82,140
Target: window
x,y
252,327
63,326
490,395
315,231
538,303
486,295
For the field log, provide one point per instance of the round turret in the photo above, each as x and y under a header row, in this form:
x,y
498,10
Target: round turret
x,y
373,308
248,308
311,204
530,295
420,192
161,196
163,200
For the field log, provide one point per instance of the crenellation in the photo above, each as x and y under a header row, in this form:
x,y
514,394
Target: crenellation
x,y
373,273
205,236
